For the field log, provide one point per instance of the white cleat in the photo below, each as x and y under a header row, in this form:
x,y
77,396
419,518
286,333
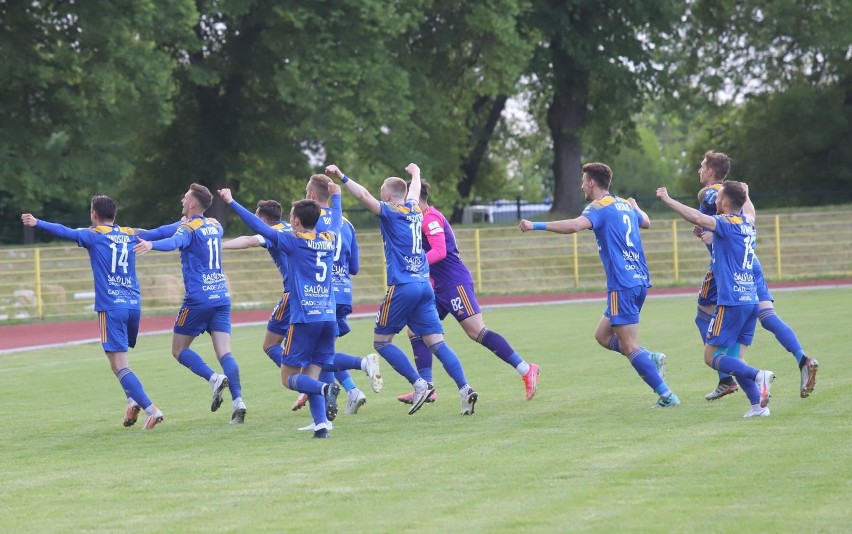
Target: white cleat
x,y
217,383
238,416
354,400
422,391
468,400
757,411
312,427
372,370
764,380
809,371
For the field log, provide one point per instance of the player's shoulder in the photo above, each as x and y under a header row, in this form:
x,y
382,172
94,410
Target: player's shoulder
x,y
193,224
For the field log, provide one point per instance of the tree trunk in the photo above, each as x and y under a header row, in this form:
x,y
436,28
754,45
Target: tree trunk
x,y
486,115
566,117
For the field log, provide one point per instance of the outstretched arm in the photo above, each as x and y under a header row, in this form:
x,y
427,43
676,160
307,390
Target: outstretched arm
x,y
358,191
565,226
748,208
245,241
52,228
253,221
689,214
164,231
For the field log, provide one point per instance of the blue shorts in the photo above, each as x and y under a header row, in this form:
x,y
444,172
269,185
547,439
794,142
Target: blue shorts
x,y
193,322
461,300
732,324
119,328
412,305
343,311
310,343
707,294
763,293
279,321
623,306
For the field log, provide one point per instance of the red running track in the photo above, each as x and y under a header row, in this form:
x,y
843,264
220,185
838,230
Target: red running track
x,y
34,335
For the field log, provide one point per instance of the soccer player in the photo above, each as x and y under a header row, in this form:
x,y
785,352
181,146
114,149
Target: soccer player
x,y
453,285
207,301
616,223
346,263
117,297
410,300
313,322
712,173
733,322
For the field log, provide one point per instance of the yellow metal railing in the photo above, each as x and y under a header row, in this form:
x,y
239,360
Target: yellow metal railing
x,y
55,282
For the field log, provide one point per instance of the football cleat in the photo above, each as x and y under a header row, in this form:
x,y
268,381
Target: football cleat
x,y
668,401
238,416
354,400
406,399
468,400
372,370
422,391
809,371
131,414
217,383
757,411
721,390
764,380
531,380
153,420
301,400
331,393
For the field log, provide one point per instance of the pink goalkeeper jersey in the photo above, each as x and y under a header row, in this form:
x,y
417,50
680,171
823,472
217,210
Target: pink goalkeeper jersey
x,y
439,238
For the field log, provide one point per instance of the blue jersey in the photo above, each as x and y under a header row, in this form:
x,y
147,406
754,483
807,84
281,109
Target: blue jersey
x,y
277,255
309,265
733,255
402,237
200,244
616,226
112,258
345,257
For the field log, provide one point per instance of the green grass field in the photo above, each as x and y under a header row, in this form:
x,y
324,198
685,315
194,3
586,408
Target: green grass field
x,y
587,454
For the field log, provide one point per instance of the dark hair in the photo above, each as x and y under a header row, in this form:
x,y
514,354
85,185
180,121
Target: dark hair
x,y
269,209
424,189
104,207
318,183
202,195
308,212
719,162
600,173
735,194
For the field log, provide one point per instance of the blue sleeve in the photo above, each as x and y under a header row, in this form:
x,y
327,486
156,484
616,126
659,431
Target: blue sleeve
x,y
722,226
60,231
254,222
180,240
167,230
594,215
354,261
336,214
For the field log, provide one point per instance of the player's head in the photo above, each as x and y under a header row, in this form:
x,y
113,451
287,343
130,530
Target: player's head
x,y
714,167
394,189
196,200
595,176
103,208
305,213
269,210
317,188
732,198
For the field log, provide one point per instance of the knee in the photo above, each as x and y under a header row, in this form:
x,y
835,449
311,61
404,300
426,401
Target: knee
x,y
603,339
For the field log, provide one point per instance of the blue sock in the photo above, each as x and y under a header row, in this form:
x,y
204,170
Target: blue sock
x,y
613,344
450,361
345,380
316,403
342,362
783,333
305,384
422,358
640,359
133,387
397,359
192,361
750,388
733,366
499,346
232,371
327,377
276,354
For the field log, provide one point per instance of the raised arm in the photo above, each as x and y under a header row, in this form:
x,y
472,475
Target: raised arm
x,y
252,221
336,209
646,221
52,228
748,208
357,190
688,214
565,226
414,188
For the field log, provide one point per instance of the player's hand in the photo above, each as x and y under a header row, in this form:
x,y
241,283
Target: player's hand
x,y
697,231
28,219
745,187
142,247
333,188
707,237
663,194
412,169
632,202
332,170
226,195
525,225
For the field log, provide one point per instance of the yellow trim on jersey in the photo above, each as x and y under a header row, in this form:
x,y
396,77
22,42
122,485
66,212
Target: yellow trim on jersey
x,y
195,224
605,201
